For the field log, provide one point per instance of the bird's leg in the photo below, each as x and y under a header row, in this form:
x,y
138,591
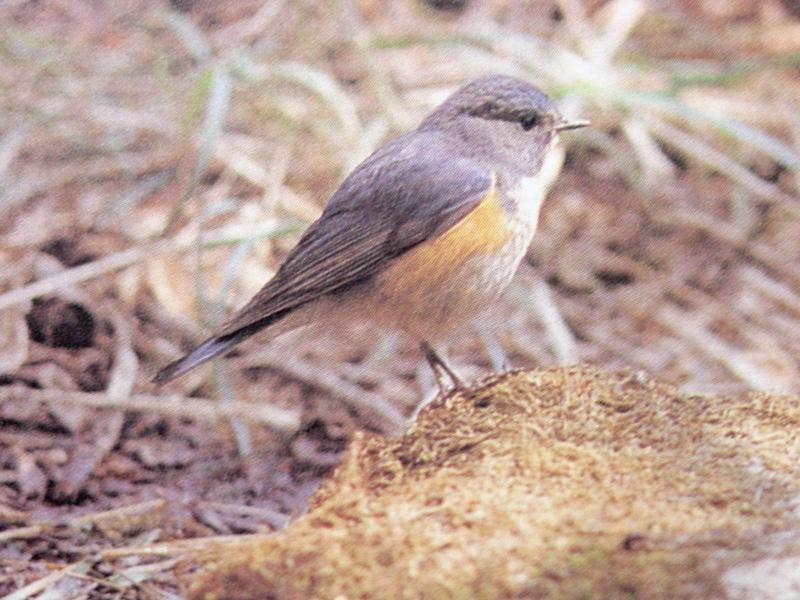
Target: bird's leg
x,y
438,364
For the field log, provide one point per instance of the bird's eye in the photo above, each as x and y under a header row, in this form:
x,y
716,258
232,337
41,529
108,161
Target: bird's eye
x,y
529,121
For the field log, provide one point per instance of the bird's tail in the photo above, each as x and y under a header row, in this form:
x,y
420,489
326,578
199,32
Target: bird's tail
x,y
213,346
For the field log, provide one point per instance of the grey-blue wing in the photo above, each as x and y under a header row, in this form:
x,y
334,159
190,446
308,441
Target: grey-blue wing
x,y
409,191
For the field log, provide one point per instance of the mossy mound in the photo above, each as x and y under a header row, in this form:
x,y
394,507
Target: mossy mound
x,y
564,483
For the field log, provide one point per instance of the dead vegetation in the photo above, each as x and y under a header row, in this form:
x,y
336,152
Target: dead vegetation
x,y
158,159
566,483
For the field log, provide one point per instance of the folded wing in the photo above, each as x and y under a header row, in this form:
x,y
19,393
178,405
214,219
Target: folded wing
x,y
407,192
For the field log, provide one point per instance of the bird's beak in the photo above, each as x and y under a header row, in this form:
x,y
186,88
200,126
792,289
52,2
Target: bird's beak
x,y
576,124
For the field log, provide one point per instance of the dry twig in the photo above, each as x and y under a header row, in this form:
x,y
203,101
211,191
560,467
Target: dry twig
x,y
171,405
327,380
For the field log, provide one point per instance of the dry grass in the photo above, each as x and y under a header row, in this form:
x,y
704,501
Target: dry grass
x,y
566,483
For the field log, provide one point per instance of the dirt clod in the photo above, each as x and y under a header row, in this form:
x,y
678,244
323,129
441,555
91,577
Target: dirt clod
x,y
547,491
59,324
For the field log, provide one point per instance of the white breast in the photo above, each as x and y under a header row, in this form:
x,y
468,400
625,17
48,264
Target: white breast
x,y
529,192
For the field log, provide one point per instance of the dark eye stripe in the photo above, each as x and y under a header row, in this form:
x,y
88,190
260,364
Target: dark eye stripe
x,y
492,111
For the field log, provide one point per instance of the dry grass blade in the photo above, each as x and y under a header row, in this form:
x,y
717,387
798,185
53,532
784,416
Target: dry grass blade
x,y
243,31
327,88
492,346
173,405
226,392
10,146
217,105
624,16
655,168
759,250
376,408
717,160
578,23
40,585
215,112
177,547
273,518
36,182
107,264
190,36
772,289
126,364
694,330
126,258
561,338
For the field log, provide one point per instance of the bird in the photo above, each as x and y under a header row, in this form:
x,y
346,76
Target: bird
x,y
424,234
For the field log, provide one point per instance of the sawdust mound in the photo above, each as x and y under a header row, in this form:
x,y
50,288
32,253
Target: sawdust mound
x,y
564,483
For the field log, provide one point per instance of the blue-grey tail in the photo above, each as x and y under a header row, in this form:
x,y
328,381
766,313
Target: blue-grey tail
x,y
206,351
213,346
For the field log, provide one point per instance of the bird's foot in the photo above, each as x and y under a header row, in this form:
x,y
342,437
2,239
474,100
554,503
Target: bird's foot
x,y
442,371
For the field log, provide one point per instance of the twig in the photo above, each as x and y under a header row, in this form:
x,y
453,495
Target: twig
x,y
21,533
40,585
273,518
177,546
124,515
103,519
561,338
137,574
113,262
105,432
117,519
173,405
126,258
391,420
126,364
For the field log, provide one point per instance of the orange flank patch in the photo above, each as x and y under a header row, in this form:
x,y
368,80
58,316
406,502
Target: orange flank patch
x,y
482,231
